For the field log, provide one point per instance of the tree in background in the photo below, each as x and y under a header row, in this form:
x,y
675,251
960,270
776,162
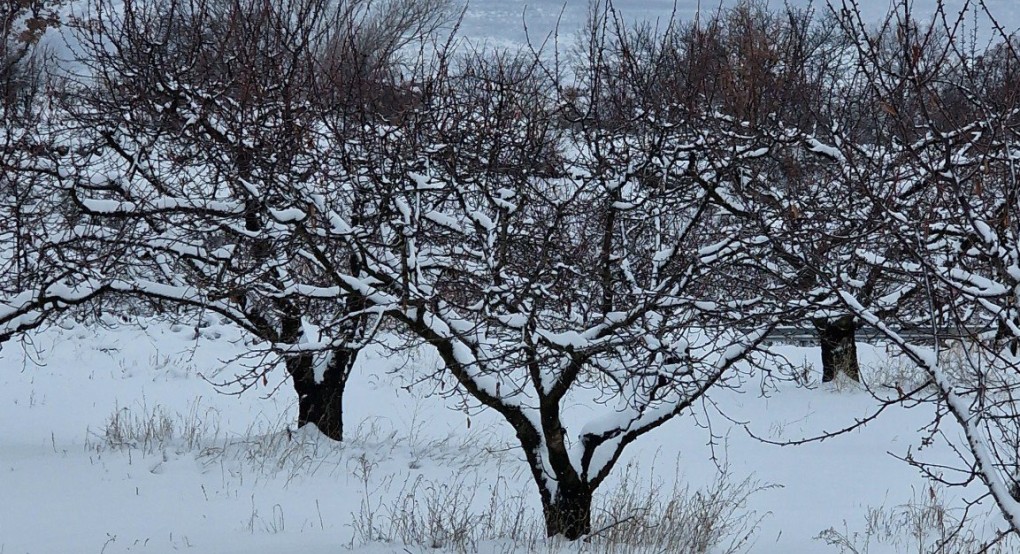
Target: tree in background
x,y
25,156
784,76
22,25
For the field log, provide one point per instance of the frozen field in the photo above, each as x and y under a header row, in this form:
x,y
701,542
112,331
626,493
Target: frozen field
x,y
114,440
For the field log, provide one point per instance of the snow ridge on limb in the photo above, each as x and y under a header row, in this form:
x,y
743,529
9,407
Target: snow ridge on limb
x,y
970,420
602,440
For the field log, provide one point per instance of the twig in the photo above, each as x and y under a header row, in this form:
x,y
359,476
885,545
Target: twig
x,y
606,528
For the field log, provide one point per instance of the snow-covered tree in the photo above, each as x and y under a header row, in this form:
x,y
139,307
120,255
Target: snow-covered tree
x,y
25,158
788,77
180,143
552,252
948,199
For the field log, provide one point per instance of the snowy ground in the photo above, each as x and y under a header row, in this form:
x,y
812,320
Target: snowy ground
x,y
233,479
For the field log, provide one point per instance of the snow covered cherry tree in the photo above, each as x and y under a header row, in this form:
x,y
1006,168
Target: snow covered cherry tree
x,y
553,253
785,77
557,245
182,142
28,261
949,199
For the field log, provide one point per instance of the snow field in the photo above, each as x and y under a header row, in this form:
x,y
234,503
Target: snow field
x,y
119,442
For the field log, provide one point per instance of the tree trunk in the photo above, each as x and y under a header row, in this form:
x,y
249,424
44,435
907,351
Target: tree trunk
x,y
568,513
1005,335
839,347
320,403
322,406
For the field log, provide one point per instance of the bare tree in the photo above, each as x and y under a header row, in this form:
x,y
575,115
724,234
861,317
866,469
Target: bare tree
x,y
24,154
788,76
946,130
553,240
549,262
193,121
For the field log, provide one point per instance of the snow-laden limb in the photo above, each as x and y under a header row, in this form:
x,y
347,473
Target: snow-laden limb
x,y
29,309
970,417
156,206
816,146
602,440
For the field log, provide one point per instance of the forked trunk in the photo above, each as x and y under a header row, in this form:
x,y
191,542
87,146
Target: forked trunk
x,y
839,347
568,513
320,402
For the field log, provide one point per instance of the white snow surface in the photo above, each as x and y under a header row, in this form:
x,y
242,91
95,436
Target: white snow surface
x,y
66,489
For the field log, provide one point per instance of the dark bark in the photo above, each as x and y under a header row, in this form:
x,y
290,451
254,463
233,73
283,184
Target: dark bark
x,y
839,347
1005,336
568,513
320,403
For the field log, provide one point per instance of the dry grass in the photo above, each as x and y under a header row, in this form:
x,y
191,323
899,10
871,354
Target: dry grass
x,y
925,525
489,505
474,514
155,429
